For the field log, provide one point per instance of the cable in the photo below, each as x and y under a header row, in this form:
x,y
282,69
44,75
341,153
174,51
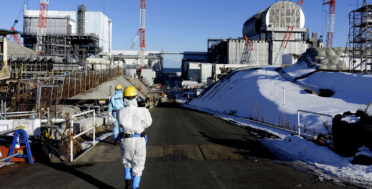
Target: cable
x,y
323,13
22,9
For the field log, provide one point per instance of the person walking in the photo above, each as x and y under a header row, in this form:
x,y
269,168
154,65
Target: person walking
x,y
134,121
116,102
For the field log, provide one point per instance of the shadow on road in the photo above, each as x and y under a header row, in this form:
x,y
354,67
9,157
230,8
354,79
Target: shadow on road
x,y
169,105
72,169
245,146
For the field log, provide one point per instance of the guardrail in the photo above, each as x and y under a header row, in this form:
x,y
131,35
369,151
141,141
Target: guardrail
x,y
31,114
72,137
308,112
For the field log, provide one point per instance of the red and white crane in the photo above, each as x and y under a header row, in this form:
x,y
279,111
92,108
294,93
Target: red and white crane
x,y
15,36
42,26
331,21
141,31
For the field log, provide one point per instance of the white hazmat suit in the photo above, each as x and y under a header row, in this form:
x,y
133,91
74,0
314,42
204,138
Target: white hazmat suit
x,y
134,120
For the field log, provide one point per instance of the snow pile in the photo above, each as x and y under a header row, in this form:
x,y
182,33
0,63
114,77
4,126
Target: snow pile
x,y
320,157
263,95
350,87
299,69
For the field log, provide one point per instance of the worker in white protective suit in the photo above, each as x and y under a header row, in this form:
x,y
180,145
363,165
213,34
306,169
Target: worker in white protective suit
x,y
116,103
134,120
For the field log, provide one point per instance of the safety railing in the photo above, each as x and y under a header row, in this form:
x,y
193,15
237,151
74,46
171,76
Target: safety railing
x,y
31,114
73,137
308,112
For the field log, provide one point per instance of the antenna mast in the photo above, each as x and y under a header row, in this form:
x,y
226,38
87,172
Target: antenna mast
x,y
331,22
141,31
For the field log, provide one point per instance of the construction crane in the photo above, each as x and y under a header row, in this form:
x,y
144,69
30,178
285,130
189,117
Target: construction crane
x,y
42,26
141,31
15,36
134,41
331,21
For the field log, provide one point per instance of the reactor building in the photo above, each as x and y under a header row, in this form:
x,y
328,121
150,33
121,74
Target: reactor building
x,y
71,35
266,31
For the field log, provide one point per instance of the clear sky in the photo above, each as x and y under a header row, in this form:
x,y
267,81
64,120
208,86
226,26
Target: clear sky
x,y
185,25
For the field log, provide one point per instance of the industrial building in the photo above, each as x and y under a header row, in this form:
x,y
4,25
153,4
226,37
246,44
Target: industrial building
x,y
150,68
71,35
261,44
265,31
191,57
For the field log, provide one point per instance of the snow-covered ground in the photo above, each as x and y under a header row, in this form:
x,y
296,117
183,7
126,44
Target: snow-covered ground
x,y
262,94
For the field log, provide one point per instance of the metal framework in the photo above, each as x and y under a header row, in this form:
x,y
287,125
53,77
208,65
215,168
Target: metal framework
x,y
42,26
81,20
217,49
69,48
331,22
360,38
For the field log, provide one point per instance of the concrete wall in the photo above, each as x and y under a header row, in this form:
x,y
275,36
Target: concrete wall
x,y
95,22
260,54
235,48
264,52
293,47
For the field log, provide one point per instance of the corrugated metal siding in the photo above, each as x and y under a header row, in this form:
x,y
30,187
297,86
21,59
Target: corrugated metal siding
x,y
58,26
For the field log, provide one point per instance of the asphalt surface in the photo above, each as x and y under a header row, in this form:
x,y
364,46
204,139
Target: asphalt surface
x,y
186,149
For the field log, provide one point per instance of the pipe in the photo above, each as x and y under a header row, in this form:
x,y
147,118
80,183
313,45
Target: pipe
x,y
54,120
9,157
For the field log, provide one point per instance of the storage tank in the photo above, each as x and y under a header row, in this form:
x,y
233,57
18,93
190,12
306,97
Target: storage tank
x,y
278,15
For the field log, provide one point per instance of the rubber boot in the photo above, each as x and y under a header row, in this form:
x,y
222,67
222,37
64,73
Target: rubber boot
x,y
127,173
136,182
128,184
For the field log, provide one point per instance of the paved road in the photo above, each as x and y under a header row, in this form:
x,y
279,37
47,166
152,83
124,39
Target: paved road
x,y
186,149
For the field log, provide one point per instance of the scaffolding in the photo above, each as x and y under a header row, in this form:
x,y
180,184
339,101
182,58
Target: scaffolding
x,y
217,51
70,48
360,38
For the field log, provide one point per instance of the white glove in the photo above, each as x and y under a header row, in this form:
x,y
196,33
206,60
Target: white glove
x,y
110,119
